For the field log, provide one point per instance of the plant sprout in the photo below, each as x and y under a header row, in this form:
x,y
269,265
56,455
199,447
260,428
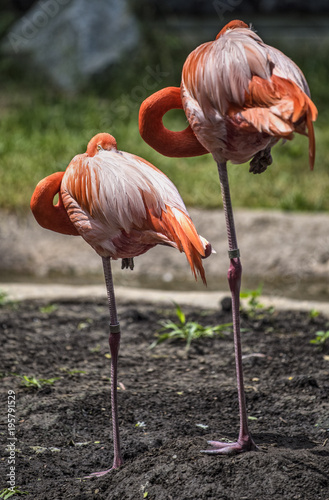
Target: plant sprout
x,y
37,383
6,301
321,338
314,313
48,309
254,306
187,330
9,492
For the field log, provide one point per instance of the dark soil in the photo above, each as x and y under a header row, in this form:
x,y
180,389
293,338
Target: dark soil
x,y
63,430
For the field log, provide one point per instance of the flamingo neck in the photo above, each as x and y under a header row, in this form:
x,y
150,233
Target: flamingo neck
x,y
152,130
48,215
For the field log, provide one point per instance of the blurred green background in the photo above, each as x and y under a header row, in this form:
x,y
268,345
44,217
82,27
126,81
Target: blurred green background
x,y
42,126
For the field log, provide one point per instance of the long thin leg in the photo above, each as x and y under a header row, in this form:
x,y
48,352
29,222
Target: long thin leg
x,y
114,342
244,442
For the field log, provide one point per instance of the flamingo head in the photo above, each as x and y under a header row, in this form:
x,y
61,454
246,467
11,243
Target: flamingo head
x,y
231,26
99,142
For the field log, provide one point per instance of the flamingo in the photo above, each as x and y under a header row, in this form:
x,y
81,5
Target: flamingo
x,y
240,97
122,206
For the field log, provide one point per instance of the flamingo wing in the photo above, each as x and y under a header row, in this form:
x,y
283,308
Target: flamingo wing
x,y
218,73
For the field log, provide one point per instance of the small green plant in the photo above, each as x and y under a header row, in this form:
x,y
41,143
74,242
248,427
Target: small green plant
x,y
253,298
314,313
9,492
48,309
5,300
254,306
85,324
187,330
33,382
321,338
95,349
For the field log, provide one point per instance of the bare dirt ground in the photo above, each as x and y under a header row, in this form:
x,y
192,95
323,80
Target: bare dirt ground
x,y
171,402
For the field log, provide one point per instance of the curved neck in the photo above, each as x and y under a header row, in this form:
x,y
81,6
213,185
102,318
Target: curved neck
x,y
48,215
152,130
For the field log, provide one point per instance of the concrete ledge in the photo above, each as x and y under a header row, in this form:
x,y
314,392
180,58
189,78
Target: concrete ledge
x,y
206,300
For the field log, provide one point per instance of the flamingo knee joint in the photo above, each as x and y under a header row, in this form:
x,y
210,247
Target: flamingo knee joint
x,y
115,328
234,254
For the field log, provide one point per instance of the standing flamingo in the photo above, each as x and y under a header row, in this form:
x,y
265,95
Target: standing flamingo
x,y
122,206
240,97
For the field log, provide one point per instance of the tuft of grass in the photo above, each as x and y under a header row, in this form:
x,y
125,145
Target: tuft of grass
x,y
6,301
254,306
34,383
3,298
321,339
48,309
9,492
253,296
85,324
95,349
187,330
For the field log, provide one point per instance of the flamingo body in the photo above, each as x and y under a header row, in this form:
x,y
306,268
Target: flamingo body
x,y
241,96
120,204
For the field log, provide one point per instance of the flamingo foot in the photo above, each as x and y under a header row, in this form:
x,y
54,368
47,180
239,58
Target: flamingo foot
x,y
98,474
240,446
116,465
261,161
127,263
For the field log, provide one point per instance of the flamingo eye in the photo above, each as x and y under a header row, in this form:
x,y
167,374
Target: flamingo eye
x,y
99,147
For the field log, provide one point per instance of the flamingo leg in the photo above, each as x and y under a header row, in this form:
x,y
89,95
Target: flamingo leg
x,y
245,441
114,342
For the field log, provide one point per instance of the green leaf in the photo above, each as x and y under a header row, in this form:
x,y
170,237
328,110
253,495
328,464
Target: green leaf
x,y
321,338
314,313
180,314
7,492
48,309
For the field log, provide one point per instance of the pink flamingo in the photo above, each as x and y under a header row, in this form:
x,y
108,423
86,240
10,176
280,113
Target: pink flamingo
x,y
240,97
122,206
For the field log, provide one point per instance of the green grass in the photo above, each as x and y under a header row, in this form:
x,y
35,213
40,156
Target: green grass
x,y
10,492
35,383
42,129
